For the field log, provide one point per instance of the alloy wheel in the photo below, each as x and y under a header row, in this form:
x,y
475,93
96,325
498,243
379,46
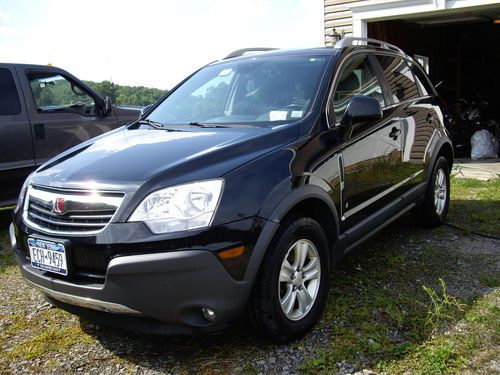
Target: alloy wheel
x,y
299,279
440,191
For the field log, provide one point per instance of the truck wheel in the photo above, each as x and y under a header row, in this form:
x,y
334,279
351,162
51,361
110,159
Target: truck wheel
x,y
292,284
433,211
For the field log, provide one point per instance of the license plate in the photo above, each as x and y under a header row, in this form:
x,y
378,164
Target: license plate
x,y
47,255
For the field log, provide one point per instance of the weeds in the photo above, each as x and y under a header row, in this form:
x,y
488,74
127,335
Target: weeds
x,y
442,307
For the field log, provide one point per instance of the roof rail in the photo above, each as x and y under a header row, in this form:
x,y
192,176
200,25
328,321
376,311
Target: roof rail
x,y
241,52
350,41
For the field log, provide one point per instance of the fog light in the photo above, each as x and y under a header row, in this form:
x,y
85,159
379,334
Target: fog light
x,y
208,314
12,235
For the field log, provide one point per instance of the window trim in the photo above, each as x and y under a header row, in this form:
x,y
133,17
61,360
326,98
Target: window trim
x,y
411,62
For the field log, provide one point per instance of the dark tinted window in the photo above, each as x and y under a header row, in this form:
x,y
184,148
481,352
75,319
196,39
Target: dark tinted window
x,y
423,83
9,100
399,78
356,78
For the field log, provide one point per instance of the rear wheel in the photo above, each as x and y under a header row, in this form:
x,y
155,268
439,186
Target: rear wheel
x,y
290,290
437,198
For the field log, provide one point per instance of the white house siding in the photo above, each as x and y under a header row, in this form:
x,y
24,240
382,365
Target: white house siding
x,y
338,15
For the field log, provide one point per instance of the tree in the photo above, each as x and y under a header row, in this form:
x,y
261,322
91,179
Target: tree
x,y
129,95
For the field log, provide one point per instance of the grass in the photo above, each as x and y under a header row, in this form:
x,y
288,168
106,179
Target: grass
x,y
392,308
474,345
382,311
475,205
383,317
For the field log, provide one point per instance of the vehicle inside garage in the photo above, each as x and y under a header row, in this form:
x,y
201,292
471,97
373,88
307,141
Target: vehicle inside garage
x,y
462,51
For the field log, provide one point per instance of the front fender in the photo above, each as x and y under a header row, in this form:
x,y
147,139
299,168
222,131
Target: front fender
x,y
274,213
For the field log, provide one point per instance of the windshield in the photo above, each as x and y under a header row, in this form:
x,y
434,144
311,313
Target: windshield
x,y
261,92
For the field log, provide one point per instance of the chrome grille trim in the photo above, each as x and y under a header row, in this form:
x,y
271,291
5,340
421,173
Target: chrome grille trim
x,y
85,211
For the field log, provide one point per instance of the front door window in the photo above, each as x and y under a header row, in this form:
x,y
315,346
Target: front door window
x,y
357,78
54,93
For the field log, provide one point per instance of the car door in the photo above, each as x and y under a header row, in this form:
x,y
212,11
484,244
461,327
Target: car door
x,y
371,155
16,156
62,113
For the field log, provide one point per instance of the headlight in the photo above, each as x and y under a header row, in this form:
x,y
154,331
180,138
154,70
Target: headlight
x,y
182,207
22,193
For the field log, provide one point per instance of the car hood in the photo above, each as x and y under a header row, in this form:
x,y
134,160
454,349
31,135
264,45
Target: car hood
x,y
126,159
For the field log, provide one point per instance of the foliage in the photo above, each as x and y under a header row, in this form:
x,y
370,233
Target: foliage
x,y
442,306
129,95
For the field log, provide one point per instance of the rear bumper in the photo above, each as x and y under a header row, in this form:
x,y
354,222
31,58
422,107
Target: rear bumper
x,y
169,287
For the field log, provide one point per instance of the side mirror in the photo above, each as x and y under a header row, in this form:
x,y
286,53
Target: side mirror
x,y
106,106
145,109
359,109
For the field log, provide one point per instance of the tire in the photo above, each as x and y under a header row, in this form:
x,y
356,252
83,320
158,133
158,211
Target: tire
x,y
285,302
434,209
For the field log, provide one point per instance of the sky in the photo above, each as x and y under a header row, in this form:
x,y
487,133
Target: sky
x,y
147,42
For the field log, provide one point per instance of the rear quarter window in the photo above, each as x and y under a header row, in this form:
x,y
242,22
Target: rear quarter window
x,y
9,99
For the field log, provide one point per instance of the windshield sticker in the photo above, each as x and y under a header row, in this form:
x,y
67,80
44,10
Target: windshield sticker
x,y
225,72
296,114
277,115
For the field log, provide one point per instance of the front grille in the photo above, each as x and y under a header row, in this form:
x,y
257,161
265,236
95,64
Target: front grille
x,y
70,211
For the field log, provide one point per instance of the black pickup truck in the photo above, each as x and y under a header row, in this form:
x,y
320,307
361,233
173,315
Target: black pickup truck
x,y
45,110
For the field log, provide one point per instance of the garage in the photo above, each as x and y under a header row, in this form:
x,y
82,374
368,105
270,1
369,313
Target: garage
x,y
457,41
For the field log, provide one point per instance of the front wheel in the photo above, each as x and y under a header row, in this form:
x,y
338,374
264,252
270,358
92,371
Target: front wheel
x,y
291,288
433,211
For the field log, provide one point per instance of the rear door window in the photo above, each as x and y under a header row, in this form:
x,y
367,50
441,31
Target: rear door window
x,y
357,77
9,98
400,79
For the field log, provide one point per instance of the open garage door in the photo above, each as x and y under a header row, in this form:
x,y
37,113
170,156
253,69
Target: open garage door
x,y
463,51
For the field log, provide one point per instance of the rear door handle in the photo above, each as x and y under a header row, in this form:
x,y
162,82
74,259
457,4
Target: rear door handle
x,y
394,133
39,130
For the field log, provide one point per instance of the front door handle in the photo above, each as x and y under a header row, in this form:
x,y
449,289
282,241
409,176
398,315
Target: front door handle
x,y
394,134
39,130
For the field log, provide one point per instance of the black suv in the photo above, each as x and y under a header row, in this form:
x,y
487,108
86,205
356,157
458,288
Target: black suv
x,y
239,189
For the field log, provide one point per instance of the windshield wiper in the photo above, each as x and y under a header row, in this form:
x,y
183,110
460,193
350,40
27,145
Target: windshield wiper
x,y
202,125
154,124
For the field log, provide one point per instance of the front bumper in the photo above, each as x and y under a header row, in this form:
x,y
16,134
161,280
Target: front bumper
x,y
170,287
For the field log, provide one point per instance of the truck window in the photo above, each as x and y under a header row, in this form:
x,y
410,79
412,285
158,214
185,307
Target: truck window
x,y
9,99
54,93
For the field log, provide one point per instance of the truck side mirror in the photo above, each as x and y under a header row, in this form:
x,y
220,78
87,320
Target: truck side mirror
x,y
145,109
106,106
